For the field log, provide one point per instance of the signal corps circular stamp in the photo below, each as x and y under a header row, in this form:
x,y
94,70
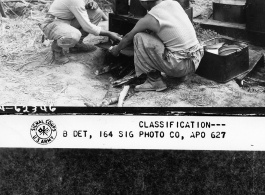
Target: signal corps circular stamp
x,y
43,132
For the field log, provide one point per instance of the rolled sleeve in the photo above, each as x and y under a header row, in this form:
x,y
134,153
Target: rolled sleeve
x,y
81,15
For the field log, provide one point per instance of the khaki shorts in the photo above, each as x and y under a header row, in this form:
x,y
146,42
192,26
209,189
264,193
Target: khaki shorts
x,y
150,54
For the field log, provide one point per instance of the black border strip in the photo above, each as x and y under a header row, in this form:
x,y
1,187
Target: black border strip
x,y
170,111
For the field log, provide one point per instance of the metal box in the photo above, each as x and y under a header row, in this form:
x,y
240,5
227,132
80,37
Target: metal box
x,y
184,3
121,7
123,24
255,15
235,13
189,12
136,9
224,68
255,21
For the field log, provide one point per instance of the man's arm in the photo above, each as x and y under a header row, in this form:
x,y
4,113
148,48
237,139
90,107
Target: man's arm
x,y
146,23
112,35
82,17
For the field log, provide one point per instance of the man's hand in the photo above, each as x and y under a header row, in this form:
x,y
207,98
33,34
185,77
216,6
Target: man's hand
x,y
115,37
114,51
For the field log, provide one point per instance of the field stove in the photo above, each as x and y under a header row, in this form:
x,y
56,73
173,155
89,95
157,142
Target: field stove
x,y
126,14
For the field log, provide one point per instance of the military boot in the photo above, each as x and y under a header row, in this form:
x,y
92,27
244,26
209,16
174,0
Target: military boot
x,y
81,47
153,82
59,56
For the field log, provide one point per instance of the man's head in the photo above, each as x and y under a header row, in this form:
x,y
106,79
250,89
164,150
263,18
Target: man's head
x,y
148,4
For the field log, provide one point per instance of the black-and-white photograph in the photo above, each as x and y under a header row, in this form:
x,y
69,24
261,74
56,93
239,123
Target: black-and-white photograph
x,y
132,53
164,62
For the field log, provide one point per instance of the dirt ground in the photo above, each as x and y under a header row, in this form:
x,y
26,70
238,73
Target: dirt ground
x,y
28,78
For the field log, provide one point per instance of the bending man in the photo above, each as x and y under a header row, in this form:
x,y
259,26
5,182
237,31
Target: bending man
x,y
68,22
172,47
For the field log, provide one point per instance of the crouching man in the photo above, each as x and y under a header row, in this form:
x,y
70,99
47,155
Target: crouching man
x,y
172,47
68,22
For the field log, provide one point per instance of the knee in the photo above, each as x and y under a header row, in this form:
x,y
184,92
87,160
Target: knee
x,y
103,16
138,37
98,13
95,16
76,36
69,41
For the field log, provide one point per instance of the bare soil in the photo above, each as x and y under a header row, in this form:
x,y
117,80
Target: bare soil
x,y
37,82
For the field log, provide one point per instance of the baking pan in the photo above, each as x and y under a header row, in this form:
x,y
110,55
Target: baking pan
x,y
224,68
